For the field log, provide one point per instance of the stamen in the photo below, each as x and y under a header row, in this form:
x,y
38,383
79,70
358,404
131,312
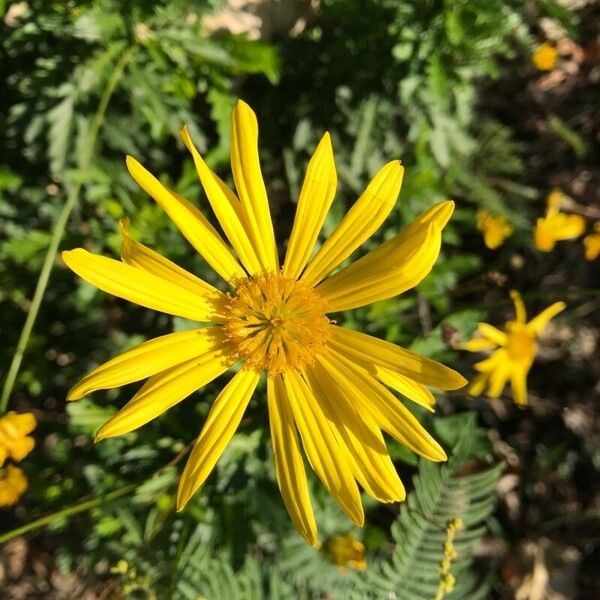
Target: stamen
x,y
275,322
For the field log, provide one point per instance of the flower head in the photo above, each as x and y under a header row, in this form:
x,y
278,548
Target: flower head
x,y
512,351
344,550
545,57
14,441
13,484
326,383
495,229
591,243
556,225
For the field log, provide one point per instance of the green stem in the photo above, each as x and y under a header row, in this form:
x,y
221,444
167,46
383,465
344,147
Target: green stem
x,y
59,229
67,512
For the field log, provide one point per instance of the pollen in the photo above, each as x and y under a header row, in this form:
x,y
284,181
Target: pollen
x,y
275,323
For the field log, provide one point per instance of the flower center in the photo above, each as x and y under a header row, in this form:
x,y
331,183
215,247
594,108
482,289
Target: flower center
x,y
275,323
520,344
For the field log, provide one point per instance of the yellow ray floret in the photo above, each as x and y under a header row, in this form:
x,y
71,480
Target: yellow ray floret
x,y
15,441
556,225
513,351
328,388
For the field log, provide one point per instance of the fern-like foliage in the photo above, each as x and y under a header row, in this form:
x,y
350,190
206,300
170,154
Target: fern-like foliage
x,y
460,488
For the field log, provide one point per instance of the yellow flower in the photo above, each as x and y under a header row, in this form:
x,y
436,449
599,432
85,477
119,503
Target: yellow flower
x,y
495,229
545,57
513,351
344,550
12,485
556,225
14,441
591,243
325,382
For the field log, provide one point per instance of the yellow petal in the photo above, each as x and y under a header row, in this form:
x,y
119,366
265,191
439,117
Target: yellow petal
x,y
520,313
137,255
145,360
407,387
518,381
368,350
139,286
477,345
359,223
222,421
250,186
478,385
499,376
315,199
164,390
492,333
191,222
328,460
371,465
289,467
383,273
539,323
20,423
227,209
388,412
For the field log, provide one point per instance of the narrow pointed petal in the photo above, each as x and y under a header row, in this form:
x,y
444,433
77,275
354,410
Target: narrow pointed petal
x,y
407,387
388,412
289,467
137,255
191,222
520,314
370,463
140,286
477,345
492,333
539,323
369,352
359,224
222,421
227,209
374,277
250,186
478,385
328,460
518,381
314,202
164,390
145,360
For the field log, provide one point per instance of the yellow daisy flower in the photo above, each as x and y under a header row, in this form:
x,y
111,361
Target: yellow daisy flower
x,y
556,225
325,382
13,484
545,57
344,550
14,441
591,243
495,229
513,351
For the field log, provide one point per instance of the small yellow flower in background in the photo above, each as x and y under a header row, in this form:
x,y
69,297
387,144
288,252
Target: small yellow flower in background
x,y
344,550
325,382
495,229
556,225
591,243
545,57
14,441
13,484
513,351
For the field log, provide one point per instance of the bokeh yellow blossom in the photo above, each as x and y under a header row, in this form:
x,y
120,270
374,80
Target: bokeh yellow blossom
x,y
545,57
556,225
14,441
13,484
344,550
513,351
591,243
495,229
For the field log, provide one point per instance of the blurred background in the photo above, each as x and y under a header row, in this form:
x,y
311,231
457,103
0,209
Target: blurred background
x,y
493,103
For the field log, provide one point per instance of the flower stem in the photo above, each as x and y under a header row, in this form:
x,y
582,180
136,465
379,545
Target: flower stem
x,y
67,512
59,229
